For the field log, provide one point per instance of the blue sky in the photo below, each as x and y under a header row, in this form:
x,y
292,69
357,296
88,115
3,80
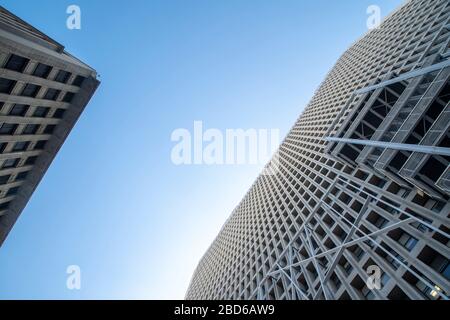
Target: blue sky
x,y
112,202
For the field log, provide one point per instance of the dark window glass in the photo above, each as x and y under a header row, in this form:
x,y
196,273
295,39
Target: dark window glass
x,y
12,191
4,205
49,129
30,90
42,70
22,176
30,161
68,97
52,94
21,146
4,179
59,113
3,146
1,105
6,85
16,63
8,128
78,81
18,110
62,76
30,129
40,145
41,112
407,241
10,163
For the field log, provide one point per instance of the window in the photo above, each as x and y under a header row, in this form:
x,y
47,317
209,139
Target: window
x,y
40,145
52,94
4,179
3,146
367,293
394,261
4,205
59,113
438,206
6,85
42,70
18,110
337,283
62,76
441,265
30,90
384,279
41,112
407,241
21,146
68,97
78,81
16,63
380,222
30,161
49,129
12,191
8,129
346,265
429,293
10,163
30,129
358,252
22,176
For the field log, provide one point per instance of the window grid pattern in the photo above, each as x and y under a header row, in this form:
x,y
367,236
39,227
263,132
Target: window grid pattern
x,y
301,233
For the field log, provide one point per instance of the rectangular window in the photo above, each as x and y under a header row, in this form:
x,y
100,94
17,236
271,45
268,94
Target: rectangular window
x,y
40,145
407,241
41,112
4,205
49,129
12,191
6,85
68,97
21,146
59,113
62,76
4,179
42,70
18,110
52,94
78,81
22,176
8,129
16,63
30,129
441,265
30,90
30,161
10,163
3,146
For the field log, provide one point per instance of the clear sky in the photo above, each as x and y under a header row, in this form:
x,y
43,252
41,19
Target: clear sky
x,y
113,202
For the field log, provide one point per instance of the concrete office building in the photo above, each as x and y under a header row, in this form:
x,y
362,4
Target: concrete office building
x,y
363,180
43,90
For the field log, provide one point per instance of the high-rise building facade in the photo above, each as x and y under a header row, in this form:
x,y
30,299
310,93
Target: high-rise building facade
x,y
362,181
43,90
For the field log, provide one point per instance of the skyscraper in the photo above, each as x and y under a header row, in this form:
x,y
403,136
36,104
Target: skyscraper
x,y
43,90
358,207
